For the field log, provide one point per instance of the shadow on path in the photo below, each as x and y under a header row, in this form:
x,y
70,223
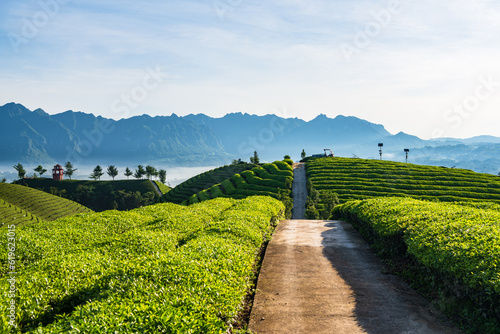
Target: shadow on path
x,y
321,277
383,302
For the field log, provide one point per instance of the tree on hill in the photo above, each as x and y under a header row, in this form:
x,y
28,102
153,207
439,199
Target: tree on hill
x,y
97,173
139,172
40,170
20,170
287,157
112,171
303,154
163,175
255,159
151,171
4,180
69,170
128,173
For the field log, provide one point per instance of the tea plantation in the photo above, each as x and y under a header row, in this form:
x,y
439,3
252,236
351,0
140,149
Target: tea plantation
x,y
359,179
11,214
164,268
274,180
35,204
449,251
163,188
203,181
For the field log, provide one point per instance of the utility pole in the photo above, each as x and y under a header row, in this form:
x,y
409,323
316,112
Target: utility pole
x,y
407,151
380,145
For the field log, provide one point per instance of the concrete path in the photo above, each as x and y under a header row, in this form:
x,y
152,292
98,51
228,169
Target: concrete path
x,y
321,277
299,191
158,191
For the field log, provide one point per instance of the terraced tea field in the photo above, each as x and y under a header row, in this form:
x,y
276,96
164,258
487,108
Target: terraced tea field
x,y
12,215
274,180
164,268
453,251
202,181
163,188
353,179
38,203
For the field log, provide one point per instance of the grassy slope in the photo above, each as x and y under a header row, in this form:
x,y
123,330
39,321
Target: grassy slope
x,y
203,181
39,203
164,268
163,188
265,180
11,214
360,179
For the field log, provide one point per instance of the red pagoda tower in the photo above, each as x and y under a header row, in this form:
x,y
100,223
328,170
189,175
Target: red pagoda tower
x,y
57,172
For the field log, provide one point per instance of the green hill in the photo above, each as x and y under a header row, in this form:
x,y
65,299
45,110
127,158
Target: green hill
x,y
359,179
274,180
12,215
99,195
37,204
164,268
203,181
163,188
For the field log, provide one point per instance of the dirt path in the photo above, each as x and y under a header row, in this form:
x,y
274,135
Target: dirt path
x,y
321,277
299,191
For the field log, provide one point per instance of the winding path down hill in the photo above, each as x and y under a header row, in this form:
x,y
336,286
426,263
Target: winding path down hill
x,y
321,277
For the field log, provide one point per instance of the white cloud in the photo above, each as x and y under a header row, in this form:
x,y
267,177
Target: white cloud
x,y
259,57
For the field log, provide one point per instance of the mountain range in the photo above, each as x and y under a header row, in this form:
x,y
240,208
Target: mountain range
x,y
35,137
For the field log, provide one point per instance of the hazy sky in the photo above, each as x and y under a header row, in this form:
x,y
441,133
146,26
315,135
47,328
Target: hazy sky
x,y
429,68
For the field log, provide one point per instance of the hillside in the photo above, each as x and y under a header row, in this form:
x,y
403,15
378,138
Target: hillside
x,y
36,203
99,195
360,179
163,188
164,268
202,181
13,215
274,180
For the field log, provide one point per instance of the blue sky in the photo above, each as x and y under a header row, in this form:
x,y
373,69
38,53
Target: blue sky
x,y
428,68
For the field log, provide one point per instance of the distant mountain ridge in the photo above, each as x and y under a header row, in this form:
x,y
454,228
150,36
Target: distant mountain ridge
x,y
37,137
200,140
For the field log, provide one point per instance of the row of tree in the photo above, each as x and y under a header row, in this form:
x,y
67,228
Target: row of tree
x,y
112,171
140,172
253,159
256,160
21,172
